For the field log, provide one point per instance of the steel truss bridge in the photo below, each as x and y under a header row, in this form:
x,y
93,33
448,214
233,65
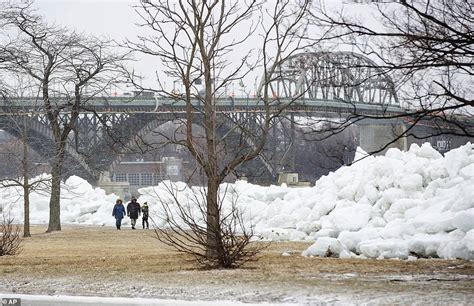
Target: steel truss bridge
x,y
323,85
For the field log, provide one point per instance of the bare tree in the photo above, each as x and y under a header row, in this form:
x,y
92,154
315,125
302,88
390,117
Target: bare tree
x,y
195,41
23,178
426,46
17,155
67,69
10,238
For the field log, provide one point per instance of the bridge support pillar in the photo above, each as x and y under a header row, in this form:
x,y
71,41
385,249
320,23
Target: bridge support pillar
x,y
374,135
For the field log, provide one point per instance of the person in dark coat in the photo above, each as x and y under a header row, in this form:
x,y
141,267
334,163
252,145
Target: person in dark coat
x,y
145,215
118,212
133,211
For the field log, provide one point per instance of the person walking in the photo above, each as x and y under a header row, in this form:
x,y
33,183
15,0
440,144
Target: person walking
x,y
118,212
145,215
133,211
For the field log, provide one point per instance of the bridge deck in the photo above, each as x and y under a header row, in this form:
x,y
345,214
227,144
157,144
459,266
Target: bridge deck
x,y
167,105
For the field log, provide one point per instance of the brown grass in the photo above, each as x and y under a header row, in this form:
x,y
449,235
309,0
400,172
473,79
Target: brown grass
x,y
103,253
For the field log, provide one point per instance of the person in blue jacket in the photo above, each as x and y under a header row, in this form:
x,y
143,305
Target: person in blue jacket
x,y
119,213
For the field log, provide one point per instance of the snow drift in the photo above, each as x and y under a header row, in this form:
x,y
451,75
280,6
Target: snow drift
x,y
401,205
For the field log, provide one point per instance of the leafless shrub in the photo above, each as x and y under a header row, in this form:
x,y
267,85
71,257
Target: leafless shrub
x,y
182,225
10,236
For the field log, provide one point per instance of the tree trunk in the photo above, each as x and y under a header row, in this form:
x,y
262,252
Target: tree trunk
x,y
54,202
26,200
26,187
214,243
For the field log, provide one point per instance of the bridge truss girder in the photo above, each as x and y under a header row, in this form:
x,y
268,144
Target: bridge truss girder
x,y
93,148
344,76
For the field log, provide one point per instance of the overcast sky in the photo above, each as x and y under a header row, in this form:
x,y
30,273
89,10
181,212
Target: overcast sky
x,y
116,19
111,18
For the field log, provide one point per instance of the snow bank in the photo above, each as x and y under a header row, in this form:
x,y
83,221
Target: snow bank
x,y
403,204
80,204
399,205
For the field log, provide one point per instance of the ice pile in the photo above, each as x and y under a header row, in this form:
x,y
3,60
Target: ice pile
x,y
80,203
401,205
404,204
414,203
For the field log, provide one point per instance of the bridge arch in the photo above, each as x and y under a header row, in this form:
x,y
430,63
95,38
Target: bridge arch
x,y
45,141
341,75
227,125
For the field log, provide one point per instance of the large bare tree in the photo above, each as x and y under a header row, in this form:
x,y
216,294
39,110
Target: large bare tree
x,y
207,46
67,69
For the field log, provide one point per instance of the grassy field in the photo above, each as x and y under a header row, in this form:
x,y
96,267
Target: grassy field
x,y
137,261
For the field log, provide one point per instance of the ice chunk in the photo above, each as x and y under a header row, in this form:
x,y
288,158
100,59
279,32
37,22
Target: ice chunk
x,y
351,240
464,220
384,248
324,247
351,218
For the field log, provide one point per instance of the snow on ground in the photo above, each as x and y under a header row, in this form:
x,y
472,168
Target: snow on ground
x,y
402,205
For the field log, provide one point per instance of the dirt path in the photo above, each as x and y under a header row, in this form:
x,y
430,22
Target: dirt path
x,y
105,262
